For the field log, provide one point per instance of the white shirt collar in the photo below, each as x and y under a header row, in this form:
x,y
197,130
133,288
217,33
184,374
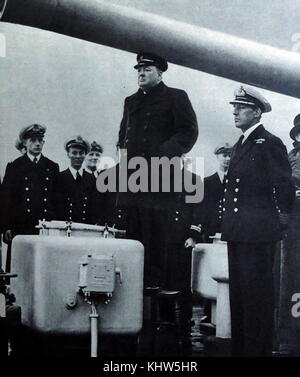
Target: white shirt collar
x,y
249,131
221,174
32,157
95,172
74,171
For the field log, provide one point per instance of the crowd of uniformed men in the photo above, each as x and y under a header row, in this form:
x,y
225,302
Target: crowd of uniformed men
x,y
247,199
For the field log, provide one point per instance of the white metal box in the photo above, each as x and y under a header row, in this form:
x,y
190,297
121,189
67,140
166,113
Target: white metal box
x,y
48,276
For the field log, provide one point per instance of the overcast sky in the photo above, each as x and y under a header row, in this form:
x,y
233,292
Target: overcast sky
x,y
76,87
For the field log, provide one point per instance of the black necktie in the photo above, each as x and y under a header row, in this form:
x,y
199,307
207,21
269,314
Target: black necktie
x,y
35,160
78,177
239,143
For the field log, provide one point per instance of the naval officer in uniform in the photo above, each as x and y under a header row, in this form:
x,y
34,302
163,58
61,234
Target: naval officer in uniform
x,y
92,159
28,186
207,215
158,121
258,195
77,199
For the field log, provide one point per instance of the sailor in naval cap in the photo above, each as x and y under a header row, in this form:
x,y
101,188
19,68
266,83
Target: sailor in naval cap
x,y
258,195
92,159
28,186
77,197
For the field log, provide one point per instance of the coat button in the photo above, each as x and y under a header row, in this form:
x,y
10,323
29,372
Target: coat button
x,y
45,199
47,178
45,189
84,205
85,198
27,199
45,210
28,210
237,180
236,190
26,188
83,218
224,210
220,217
235,199
128,128
70,204
83,211
225,190
148,114
26,178
119,216
224,200
70,218
144,139
70,211
145,126
226,180
236,209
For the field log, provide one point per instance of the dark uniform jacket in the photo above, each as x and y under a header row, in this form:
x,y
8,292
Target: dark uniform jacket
x,y
28,193
208,213
160,123
77,201
258,186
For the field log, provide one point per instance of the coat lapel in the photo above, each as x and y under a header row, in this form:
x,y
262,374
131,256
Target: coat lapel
x,y
245,148
139,99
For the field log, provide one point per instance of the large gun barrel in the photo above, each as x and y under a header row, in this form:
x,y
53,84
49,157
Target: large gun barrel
x,y
180,43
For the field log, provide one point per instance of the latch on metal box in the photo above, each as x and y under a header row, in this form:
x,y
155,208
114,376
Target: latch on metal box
x,y
97,275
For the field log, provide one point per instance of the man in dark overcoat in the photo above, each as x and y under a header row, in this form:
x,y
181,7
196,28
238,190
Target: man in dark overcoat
x,y
28,186
258,195
158,121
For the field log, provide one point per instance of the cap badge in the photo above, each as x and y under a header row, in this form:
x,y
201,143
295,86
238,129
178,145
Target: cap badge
x,y
241,91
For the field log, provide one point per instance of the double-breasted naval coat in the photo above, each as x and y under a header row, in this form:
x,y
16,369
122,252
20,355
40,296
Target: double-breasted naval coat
x,y
258,188
157,124
28,194
160,123
77,201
